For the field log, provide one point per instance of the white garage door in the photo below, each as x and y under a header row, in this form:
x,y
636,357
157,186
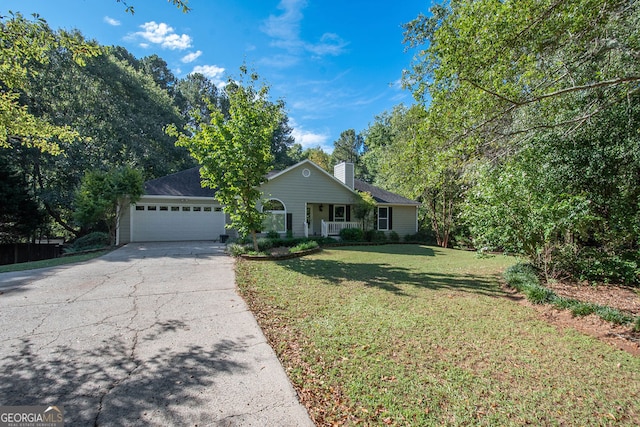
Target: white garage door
x,y
161,223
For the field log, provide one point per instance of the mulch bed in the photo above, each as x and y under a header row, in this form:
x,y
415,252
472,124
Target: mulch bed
x,y
623,298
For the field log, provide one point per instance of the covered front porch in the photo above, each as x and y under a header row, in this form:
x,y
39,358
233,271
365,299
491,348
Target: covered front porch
x,y
327,219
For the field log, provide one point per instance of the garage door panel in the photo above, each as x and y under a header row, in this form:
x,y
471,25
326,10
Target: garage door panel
x,y
174,225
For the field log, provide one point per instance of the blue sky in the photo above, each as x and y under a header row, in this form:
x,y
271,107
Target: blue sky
x,y
336,64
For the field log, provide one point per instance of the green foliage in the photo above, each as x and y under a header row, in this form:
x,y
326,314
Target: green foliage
x,y
363,209
420,237
499,70
595,265
95,240
25,43
394,237
511,208
273,235
265,243
236,249
375,236
235,150
305,246
352,234
20,214
102,193
524,279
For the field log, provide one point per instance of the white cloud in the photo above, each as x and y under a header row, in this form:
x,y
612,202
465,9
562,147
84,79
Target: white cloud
x,y
111,21
309,139
284,29
192,56
212,72
164,35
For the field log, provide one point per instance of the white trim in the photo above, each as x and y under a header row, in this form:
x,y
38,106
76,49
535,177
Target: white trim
x,y
179,199
378,219
277,212
344,218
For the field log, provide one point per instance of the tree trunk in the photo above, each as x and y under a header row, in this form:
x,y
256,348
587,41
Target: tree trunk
x,y
254,237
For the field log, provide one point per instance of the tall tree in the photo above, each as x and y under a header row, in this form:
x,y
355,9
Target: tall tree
x,y
20,213
102,195
235,151
23,44
318,156
499,72
118,113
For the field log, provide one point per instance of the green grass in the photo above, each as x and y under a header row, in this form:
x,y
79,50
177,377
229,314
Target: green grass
x,y
54,262
415,335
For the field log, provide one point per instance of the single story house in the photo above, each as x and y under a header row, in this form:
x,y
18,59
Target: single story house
x,y
303,199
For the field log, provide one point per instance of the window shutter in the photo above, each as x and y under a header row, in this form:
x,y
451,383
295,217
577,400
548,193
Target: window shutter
x,y
289,222
375,219
348,214
330,212
390,218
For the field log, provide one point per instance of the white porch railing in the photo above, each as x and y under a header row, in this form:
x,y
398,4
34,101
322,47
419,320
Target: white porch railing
x,y
332,228
306,229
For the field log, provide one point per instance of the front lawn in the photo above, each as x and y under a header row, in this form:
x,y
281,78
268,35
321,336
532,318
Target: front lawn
x,y
53,262
417,335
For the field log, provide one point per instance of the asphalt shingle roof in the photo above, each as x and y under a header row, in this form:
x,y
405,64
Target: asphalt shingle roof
x,y
185,183
382,196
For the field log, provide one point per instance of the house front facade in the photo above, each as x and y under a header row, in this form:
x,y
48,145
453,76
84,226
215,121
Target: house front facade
x,y
303,200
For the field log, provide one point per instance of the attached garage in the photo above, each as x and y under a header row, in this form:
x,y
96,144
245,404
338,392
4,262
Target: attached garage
x,y
173,208
173,222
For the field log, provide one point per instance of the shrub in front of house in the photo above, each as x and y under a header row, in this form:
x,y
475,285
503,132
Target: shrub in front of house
x,y
375,236
421,237
95,240
236,249
304,246
265,243
394,237
352,234
273,235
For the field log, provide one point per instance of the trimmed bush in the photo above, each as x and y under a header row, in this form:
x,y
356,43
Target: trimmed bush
x,y
95,240
421,237
236,249
304,246
394,237
352,234
273,235
375,236
265,243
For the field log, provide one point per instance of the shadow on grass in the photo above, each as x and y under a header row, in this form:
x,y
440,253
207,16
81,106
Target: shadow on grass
x,y
391,277
109,386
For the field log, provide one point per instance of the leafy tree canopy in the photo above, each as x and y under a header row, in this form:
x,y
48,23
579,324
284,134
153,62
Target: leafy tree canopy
x,y
235,150
495,70
101,194
24,43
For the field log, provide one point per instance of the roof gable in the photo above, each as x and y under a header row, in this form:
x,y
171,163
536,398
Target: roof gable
x,y
276,174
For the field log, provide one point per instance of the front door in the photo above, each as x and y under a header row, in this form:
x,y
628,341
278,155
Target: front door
x,y
310,219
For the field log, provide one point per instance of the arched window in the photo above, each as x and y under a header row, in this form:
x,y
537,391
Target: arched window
x,y
276,218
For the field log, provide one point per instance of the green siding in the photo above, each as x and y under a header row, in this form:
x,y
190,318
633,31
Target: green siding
x,y
404,220
296,190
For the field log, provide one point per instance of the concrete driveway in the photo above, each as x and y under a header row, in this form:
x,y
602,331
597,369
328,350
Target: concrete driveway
x,y
150,334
